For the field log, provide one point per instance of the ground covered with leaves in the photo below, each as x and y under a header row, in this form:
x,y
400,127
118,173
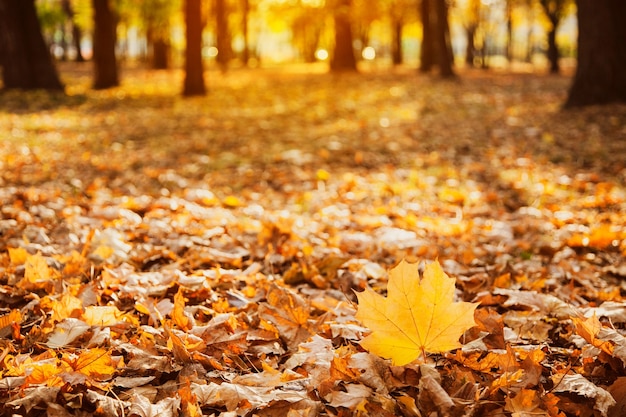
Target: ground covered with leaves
x,y
168,256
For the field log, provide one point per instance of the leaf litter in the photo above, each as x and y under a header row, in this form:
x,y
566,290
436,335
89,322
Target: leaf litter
x,y
162,256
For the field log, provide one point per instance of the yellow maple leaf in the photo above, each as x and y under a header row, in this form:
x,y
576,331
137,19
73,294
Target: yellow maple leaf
x,y
45,373
18,256
36,269
588,328
94,362
416,317
107,316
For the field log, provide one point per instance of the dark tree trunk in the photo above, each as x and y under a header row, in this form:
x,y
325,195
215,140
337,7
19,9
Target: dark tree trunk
x,y
436,46
25,57
343,56
63,42
76,32
427,51
442,34
396,43
157,39
529,36
104,39
601,73
245,57
554,10
470,49
160,53
194,72
553,50
224,49
509,31
76,37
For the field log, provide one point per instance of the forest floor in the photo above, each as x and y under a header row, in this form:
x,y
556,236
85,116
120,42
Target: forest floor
x,y
162,255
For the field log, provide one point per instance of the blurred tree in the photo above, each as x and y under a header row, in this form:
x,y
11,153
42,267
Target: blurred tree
x,y
307,26
601,73
194,71
400,12
471,22
436,45
24,56
53,26
104,39
509,30
343,58
555,10
245,15
397,24
76,32
427,50
222,34
306,34
363,14
156,15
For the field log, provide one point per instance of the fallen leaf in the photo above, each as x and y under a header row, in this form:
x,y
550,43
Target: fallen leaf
x,y
36,271
179,316
66,332
107,316
142,407
578,384
525,403
95,362
418,316
588,328
17,256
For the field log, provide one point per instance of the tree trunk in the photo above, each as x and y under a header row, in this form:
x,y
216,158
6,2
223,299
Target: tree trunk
x,y
104,39
554,10
396,43
601,73
194,72
444,47
470,49
553,50
76,37
343,57
76,32
436,47
509,31
160,53
427,51
62,42
245,56
224,48
157,38
25,57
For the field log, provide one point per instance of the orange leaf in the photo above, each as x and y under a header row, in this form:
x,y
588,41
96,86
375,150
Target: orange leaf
x,y
588,329
178,313
67,306
525,404
7,320
289,313
18,256
45,373
107,316
418,315
93,362
36,271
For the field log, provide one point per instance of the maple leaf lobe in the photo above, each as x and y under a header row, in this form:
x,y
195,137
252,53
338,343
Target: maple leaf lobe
x,y
419,315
